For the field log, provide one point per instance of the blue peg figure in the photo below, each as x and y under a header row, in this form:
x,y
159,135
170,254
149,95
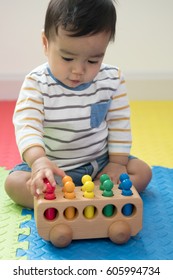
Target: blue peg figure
x,y
122,177
126,187
126,191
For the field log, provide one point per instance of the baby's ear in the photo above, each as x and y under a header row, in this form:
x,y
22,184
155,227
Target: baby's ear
x,y
44,42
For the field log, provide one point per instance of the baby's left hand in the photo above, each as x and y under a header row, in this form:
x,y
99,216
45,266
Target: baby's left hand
x,y
113,170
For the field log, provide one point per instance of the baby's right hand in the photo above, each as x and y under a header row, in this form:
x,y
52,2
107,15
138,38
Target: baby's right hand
x,y
43,168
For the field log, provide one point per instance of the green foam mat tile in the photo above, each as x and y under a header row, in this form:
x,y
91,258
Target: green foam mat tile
x,y
10,221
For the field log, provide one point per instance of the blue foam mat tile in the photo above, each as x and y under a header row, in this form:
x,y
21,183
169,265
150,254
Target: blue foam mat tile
x,y
153,242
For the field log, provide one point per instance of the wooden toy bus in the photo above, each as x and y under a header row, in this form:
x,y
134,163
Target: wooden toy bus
x,y
60,219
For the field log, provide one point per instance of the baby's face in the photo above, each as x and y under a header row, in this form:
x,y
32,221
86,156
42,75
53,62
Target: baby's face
x,y
75,60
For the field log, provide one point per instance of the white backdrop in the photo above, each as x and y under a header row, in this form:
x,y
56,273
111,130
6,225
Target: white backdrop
x,y
143,48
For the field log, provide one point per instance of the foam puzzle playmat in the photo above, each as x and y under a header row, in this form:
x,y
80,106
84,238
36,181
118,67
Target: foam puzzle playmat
x,y
153,131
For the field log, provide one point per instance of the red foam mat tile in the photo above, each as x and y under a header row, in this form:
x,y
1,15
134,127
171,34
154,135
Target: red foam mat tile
x,y
9,155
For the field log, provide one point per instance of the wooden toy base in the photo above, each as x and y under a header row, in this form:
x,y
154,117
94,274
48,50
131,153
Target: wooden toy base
x,y
62,230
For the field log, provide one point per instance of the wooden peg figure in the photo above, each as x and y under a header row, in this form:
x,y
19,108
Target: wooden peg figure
x,y
49,194
89,187
122,177
88,193
108,209
107,186
103,178
69,188
69,193
126,191
85,179
66,179
126,187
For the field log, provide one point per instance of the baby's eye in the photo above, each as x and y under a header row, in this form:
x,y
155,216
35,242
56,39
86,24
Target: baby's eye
x,y
92,62
67,58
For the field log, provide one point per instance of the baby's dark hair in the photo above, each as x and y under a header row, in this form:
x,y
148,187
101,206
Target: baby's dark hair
x,y
80,17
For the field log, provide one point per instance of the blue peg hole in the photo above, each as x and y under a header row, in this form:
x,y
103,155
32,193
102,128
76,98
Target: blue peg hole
x,y
128,209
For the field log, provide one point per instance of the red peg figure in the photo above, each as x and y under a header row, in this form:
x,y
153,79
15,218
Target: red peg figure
x,y
49,194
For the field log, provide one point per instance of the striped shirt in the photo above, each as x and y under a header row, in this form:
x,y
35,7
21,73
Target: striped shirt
x,y
73,125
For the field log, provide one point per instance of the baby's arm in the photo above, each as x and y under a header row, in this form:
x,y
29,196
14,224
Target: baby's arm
x,y
119,131
41,168
28,121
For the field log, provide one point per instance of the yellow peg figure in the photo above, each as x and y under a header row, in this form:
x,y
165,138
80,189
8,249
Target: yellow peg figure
x,y
88,193
85,178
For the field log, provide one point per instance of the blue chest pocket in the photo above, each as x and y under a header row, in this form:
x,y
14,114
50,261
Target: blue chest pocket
x,y
98,113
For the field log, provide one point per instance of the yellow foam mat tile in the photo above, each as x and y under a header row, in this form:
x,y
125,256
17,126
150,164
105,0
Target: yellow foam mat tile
x,y
152,130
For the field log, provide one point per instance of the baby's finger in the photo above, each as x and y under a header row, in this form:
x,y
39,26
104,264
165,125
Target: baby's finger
x,y
59,172
50,177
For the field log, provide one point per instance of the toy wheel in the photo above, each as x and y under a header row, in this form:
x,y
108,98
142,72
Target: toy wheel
x,y
61,235
119,232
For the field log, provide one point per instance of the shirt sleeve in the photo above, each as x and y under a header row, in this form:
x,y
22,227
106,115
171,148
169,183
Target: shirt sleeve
x,y
119,128
29,116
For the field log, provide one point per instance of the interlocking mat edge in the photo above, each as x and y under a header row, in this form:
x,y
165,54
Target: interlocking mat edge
x,y
10,221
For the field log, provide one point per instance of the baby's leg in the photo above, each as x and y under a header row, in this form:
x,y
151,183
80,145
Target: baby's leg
x,y
15,186
140,173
